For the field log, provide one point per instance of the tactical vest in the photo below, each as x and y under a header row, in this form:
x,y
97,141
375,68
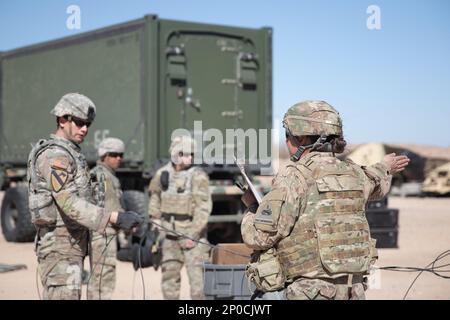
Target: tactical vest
x,y
331,237
106,188
177,198
44,212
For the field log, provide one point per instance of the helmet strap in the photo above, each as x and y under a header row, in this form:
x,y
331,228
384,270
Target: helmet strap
x,y
320,143
297,155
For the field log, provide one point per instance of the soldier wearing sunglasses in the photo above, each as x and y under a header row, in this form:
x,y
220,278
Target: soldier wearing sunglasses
x,y
181,199
107,194
61,200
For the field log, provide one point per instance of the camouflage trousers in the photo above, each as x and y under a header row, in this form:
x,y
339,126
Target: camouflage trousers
x,y
103,279
318,289
60,256
326,289
61,277
173,258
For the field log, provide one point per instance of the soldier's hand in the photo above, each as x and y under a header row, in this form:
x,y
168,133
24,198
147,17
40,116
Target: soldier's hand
x,y
128,220
140,230
187,243
396,163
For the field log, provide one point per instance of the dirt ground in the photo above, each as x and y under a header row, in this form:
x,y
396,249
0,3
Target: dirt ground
x,y
423,235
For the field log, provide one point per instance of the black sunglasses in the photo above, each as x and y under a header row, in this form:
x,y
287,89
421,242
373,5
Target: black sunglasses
x,y
78,122
115,154
181,154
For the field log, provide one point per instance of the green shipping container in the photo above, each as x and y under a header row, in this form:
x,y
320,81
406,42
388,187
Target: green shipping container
x,y
147,77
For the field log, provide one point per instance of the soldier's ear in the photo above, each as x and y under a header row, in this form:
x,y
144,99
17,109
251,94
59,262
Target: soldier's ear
x,y
61,121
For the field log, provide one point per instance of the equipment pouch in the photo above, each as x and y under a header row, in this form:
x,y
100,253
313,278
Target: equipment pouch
x,y
164,180
43,212
266,272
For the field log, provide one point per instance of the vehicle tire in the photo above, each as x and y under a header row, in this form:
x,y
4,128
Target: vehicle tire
x,y
15,216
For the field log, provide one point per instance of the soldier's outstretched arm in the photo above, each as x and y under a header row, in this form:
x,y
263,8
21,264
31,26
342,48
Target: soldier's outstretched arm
x,y
380,174
57,168
379,179
202,203
277,213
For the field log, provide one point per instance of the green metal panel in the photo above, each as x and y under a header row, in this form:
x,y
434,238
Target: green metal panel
x,y
136,85
151,90
206,76
106,67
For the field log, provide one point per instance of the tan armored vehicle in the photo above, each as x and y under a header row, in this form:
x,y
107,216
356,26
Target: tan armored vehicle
x,y
437,181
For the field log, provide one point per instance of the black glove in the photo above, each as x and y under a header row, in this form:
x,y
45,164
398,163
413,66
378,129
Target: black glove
x,y
128,220
140,230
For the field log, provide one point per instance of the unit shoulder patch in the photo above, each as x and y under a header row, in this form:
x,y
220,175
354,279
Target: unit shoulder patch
x,y
58,178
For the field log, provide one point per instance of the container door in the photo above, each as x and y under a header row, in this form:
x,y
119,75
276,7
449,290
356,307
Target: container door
x,y
208,77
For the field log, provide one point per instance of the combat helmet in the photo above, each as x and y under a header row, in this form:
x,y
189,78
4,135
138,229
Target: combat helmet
x,y
181,144
76,105
312,118
108,145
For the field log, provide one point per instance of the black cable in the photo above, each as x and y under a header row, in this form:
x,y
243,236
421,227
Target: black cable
x,y
436,270
103,254
37,283
101,275
99,259
198,241
388,268
90,275
142,275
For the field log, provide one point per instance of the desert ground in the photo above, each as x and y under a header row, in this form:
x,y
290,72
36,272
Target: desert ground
x,y
423,234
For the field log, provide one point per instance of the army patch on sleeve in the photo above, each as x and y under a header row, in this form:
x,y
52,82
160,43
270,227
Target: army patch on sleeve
x,y
264,216
58,179
268,212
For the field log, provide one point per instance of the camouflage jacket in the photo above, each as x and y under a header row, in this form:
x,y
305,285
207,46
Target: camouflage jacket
x,y
110,192
293,188
59,187
107,191
192,183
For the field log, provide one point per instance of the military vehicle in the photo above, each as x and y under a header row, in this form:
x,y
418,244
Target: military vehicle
x,y
147,77
371,153
437,182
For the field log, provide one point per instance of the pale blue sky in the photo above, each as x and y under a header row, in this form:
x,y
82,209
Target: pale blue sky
x,y
390,85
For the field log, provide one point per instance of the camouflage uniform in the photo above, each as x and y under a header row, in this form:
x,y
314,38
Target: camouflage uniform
x,y
107,194
184,205
314,217
60,202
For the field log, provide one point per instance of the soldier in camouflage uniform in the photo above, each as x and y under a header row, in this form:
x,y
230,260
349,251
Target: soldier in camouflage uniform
x,y
107,194
60,200
310,234
180,198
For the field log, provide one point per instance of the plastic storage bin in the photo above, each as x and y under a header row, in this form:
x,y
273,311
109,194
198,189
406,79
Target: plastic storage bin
x,y
226,282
